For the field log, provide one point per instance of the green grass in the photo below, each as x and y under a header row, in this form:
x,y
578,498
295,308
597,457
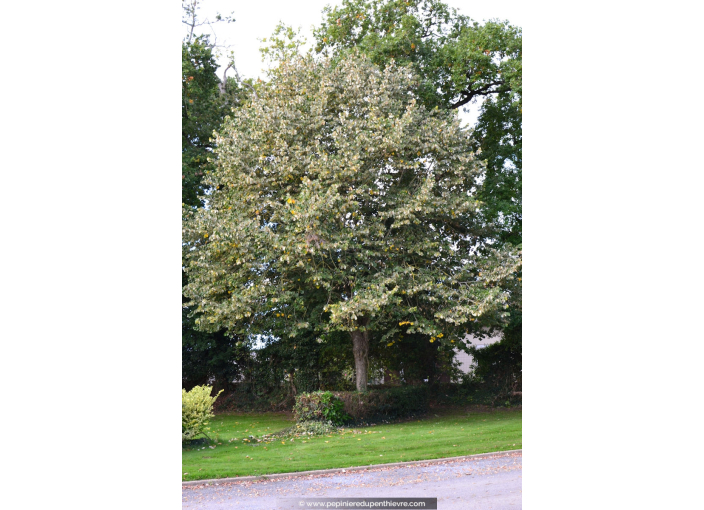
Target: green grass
x,y
448,435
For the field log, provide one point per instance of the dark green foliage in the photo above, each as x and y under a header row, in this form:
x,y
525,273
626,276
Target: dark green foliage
x,y
385,404
274,374
210,358
415,360
205,102
499,364
319,406
335,360
204,355
263,386
300,360
200,116
471,391
499,130
249,396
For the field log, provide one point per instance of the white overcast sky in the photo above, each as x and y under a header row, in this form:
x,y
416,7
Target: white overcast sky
x,y
256,20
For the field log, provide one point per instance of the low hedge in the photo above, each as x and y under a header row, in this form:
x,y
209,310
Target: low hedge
x,y
385,404
245,399
473,391
319,406
355,407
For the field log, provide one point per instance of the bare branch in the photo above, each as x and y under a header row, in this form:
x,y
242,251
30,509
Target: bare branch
x,y
232,66
224,77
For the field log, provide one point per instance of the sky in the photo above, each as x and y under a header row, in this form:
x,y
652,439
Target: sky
x,y
256,20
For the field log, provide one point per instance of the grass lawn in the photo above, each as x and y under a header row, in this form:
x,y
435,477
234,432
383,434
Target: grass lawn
x,y
450,434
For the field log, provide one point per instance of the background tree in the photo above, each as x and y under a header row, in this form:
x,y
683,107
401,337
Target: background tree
x,y
201,114
341,203
206,99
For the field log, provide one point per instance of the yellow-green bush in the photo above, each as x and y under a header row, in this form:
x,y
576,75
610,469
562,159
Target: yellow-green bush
x,y
196,409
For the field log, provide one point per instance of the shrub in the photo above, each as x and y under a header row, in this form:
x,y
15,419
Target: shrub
x,y
385,404
196,409
319,406
469,391
249,397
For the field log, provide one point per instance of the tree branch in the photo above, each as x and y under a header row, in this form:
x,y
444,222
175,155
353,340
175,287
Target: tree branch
x,y
482,91
232,66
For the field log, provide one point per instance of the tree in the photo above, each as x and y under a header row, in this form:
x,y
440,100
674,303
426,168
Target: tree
x,y
340,203
205,100
459,62
200,116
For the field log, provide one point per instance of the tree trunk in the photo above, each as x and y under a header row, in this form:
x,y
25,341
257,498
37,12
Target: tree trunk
x,y
360,349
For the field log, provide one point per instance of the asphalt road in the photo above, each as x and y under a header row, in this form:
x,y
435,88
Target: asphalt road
x,y
488,483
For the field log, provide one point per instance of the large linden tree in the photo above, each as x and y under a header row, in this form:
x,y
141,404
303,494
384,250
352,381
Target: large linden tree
x,y
340,203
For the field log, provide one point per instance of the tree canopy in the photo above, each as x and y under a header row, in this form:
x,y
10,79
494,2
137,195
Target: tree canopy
x,y
200,115
339,202
458,62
